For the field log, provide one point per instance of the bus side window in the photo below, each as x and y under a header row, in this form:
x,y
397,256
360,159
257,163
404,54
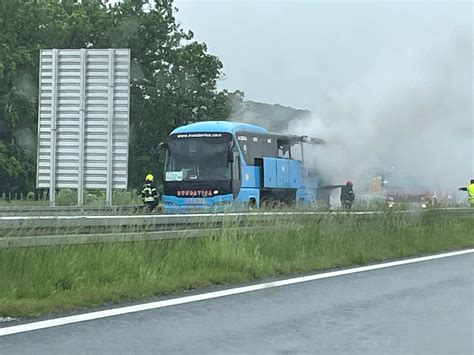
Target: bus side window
x,y
256,150
244,147
283,148
269,147
296,152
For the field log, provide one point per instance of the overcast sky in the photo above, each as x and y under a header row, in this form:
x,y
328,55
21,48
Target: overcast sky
x,y
295,52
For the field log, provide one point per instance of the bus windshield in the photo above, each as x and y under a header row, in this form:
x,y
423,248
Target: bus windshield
x,y
198,157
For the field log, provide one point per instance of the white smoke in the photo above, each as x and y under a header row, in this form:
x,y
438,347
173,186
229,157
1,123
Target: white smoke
x,y
413,110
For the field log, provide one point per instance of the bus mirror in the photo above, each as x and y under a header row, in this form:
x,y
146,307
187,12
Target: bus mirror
x,y
230,156
230,153
161,156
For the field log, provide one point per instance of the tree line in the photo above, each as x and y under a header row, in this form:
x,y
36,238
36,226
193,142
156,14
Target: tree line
x,y
173,77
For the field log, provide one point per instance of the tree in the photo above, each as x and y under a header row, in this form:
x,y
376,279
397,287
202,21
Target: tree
x,y
25,28
173,76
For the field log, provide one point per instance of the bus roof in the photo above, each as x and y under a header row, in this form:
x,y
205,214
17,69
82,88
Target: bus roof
x,y
219,126
234,127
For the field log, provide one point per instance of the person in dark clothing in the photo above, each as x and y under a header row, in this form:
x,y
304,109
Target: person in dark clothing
x,y
149,194
347,196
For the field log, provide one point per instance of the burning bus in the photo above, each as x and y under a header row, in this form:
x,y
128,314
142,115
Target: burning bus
x,y
220,165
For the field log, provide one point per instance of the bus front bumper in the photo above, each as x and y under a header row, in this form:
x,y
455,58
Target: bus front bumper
x,y
172,204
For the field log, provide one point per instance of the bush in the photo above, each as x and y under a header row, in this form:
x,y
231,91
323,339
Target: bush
x,y
94,199
66,197
126,198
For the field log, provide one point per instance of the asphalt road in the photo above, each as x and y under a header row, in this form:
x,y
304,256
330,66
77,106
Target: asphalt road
x,y
425,307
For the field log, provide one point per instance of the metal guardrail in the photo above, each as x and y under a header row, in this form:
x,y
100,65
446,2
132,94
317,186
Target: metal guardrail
x,y
28,222
129,221
74,239
56,240
68,210
22,231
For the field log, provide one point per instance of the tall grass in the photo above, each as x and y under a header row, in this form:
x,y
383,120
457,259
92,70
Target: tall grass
x,y
23,203
67,197
38,280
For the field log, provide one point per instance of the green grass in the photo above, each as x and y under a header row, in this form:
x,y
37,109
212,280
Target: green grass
x,y
23,203
66,197
42,280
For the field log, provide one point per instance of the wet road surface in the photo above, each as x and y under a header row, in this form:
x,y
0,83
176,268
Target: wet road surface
x,y
425,307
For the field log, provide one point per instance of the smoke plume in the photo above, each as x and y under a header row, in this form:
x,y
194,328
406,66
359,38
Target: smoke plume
x,y
412,112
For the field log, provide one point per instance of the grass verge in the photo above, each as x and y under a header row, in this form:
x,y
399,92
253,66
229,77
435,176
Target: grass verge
x,y
41,280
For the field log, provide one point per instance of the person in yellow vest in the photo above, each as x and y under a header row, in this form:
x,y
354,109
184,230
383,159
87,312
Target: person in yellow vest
x,y
470,192
149,193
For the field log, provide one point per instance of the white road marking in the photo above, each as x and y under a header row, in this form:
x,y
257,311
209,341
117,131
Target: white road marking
x,y
206,296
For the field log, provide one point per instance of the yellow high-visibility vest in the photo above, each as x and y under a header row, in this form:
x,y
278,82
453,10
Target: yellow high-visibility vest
x,y
470,192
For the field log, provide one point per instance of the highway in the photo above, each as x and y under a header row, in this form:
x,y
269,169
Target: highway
x,y
422,307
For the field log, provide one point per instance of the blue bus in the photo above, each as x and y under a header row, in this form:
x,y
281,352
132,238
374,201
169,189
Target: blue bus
x,y
220,165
